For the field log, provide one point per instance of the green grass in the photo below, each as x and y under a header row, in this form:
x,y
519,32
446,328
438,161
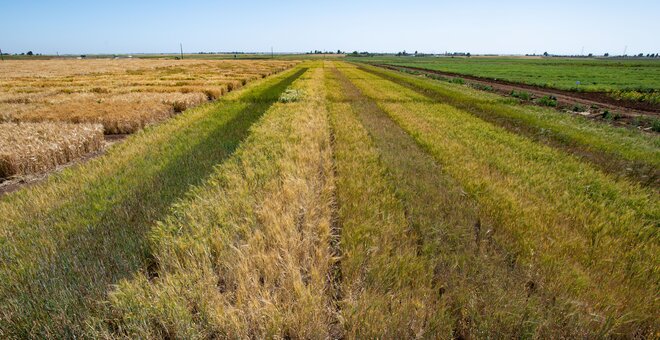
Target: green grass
x,y
617,150
64,242
602,75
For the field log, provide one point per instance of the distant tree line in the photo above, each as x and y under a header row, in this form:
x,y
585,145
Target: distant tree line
x,y
325,52
25,53
591,55
361,54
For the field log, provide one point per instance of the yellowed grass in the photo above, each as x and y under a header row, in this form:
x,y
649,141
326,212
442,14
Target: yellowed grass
x,y
38,147
122,95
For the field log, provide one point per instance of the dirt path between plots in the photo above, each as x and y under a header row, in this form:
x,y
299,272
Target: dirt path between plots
x,y
14,184
595,103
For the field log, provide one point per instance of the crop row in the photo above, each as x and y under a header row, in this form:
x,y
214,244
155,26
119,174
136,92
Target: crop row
x,y
353,207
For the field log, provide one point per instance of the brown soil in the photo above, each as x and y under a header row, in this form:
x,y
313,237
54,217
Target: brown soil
x,y
596,104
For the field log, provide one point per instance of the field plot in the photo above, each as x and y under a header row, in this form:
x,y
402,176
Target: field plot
x,y
336,200
597,75
123,95
38,147
615,150
587,245
64,243
635,83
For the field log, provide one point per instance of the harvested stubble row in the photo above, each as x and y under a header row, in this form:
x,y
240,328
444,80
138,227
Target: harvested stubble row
x,y
29,148
123,95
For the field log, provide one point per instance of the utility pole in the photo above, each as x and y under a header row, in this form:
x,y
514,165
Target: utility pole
x,y
1,55
181,46
272,55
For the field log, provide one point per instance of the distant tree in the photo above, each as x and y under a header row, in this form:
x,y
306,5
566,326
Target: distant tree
x,y
545,54
590,55
640,55
338,51
606,55
30,53
468,54
355,52
415,52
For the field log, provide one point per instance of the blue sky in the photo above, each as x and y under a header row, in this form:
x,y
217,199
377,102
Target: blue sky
x,y
506,26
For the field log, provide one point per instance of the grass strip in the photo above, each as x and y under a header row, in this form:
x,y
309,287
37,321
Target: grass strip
x,y
386,288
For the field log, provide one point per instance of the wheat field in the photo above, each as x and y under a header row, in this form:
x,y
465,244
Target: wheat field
x,y
124,95
28,148
106,96
333,201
